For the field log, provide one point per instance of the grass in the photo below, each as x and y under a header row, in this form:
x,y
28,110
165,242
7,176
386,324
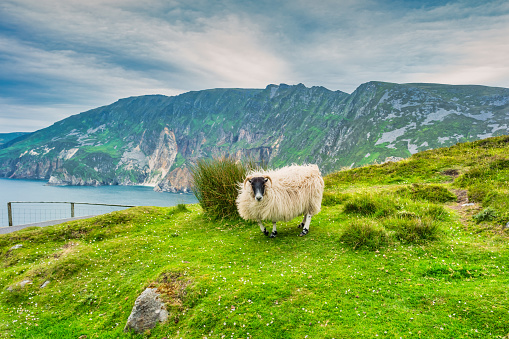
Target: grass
x,y
378,262
216,183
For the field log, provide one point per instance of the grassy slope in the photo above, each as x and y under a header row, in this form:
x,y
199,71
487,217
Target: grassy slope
x,y
225,279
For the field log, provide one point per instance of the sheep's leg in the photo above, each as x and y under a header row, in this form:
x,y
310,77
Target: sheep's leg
x,y
264,230
303,221
274,231
307,221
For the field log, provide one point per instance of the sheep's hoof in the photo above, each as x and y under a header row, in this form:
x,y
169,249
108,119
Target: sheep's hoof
x,y
301,225
273,234
303,233
266,232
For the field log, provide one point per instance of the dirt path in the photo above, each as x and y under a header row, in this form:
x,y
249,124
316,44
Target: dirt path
x,y
463,207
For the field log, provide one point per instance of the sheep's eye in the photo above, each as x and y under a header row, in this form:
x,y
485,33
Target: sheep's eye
x,y
266,179
250,181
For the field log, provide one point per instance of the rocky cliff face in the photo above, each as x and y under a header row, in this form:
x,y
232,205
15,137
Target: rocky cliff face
x,y
153,140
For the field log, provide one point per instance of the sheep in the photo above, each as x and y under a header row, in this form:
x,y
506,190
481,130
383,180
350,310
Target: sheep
x,y
281,195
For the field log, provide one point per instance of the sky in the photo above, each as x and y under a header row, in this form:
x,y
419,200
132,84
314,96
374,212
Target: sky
x,y
63,57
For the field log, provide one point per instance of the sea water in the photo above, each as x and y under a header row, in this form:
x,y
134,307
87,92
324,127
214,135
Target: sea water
x,y
14,190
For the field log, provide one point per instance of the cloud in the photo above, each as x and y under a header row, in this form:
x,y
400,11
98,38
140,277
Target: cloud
x,y
224,49
33,117
57,55
412,45
80,54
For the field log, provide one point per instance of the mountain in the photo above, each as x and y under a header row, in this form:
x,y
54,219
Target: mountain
x,y
152,140
5,138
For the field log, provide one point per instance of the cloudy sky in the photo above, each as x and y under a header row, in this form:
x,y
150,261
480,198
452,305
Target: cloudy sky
x,y
62,57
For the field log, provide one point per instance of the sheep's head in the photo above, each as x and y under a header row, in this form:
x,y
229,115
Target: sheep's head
x,y
258,186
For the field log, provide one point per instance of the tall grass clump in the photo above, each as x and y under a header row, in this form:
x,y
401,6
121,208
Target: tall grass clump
x,y
215,184
378,205
432,193
413,230
364,233
330,199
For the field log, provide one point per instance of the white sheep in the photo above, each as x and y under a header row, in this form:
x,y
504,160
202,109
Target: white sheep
x,y
281,195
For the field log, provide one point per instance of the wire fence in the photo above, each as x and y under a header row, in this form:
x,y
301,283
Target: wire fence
x,y
27,212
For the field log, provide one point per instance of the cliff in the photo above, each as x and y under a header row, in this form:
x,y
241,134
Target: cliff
x,y
153,140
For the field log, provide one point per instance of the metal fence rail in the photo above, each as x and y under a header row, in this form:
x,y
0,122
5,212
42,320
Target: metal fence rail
x,y
76,209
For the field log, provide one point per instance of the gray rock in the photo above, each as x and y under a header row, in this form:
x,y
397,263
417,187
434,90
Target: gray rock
x,y
506,226
21,284
45,284
15,247
24,282
148,310
392,159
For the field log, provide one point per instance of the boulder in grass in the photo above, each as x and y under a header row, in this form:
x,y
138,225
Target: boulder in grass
x,y
148,310
19,285
392,159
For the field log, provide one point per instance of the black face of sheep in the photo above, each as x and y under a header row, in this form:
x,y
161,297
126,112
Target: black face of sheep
x,y
258,185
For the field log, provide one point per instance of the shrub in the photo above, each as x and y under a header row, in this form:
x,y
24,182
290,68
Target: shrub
x,y
364,233
215,184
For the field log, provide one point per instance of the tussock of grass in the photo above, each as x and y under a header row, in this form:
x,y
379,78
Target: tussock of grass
x,y
477,194
377,205
216,182
433,193
364,233
330,199
388,217
413,230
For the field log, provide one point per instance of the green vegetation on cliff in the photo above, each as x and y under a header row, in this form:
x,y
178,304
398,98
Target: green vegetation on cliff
x,y
144,139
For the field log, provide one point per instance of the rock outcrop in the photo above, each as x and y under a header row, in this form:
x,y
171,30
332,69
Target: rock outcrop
x,y
148,310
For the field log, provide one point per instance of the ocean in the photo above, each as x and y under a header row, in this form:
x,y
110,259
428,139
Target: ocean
x,y
15,190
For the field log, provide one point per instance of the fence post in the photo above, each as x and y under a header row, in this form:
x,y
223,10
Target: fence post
x,y
72,210
9,212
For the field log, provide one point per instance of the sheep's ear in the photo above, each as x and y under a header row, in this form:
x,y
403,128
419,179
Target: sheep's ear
x,y
246,180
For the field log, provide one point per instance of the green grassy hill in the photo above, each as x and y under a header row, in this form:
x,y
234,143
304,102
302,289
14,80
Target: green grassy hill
x,y
394,253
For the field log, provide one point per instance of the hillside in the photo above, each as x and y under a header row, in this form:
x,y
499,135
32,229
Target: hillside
x,y
7,137
395,252
152,140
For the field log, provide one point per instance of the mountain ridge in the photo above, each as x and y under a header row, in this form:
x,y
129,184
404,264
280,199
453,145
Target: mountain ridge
x,y
154,139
